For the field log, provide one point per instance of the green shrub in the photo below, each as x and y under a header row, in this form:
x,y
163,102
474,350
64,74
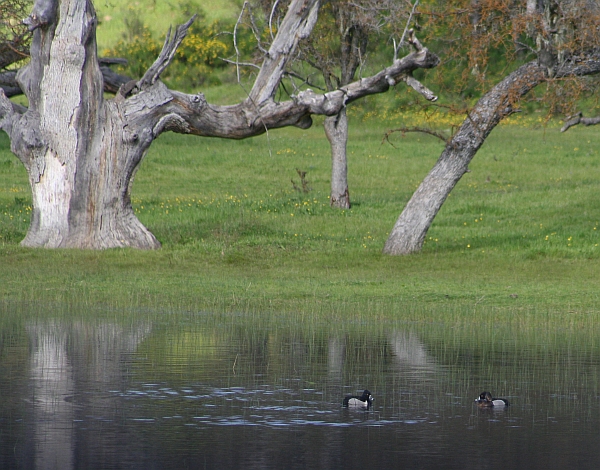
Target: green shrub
x,y
199,58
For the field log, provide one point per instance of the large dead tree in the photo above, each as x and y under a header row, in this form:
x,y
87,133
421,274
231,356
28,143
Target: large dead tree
x,y
82,151
562,53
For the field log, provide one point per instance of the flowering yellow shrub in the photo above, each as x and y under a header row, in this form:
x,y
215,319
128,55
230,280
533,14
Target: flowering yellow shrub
x,y
141,50
200,51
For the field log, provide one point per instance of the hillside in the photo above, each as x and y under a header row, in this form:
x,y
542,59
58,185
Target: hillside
x,y
158,15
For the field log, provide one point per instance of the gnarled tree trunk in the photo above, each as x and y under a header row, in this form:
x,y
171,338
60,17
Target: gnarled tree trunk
x,y
82,151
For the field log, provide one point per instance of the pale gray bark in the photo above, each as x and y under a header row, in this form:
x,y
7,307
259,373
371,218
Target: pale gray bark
x,y
411,228
354,38
336,130
579,119
81,152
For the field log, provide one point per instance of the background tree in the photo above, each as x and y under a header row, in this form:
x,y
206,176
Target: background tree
x,y
563,41
338,49
81,151
14,41
14,36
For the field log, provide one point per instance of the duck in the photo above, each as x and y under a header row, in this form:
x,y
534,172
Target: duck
x,y
354,401
486,400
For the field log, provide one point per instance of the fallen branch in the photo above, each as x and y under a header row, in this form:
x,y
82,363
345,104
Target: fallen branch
x,y
424,130
579,119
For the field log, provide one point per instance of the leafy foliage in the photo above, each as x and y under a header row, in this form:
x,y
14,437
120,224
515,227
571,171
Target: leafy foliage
x,y
482,41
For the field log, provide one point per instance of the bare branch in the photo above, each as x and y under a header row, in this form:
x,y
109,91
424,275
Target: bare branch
x,y
420,88
255,30
414,41
331,103
404,130
305,80
271,18
401,43
235,45
166,55
300,18
579,119
242,64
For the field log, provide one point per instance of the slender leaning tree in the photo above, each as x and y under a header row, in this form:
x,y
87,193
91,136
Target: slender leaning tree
x,y
564,37
81,151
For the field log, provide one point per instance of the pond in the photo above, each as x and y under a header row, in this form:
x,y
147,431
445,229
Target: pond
x,y
194,390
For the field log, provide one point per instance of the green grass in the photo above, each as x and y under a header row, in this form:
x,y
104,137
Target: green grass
x,y
158,15
519,232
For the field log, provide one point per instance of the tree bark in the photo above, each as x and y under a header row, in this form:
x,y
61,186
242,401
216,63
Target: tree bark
x,y
112,80
354,39
411,228
81,152
579,119
336,130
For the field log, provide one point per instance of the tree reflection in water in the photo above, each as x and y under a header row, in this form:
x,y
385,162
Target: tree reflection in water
x,y
226,393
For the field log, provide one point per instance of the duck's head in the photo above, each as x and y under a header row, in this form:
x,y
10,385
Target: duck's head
x,y
367,397
485,399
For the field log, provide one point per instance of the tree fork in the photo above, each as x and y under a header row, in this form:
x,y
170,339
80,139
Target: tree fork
x,y
81,152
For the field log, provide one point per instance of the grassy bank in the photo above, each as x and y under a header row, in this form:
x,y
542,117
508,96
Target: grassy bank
x,y
518,234
157,15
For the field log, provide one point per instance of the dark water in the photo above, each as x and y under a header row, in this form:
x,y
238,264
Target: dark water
x,y
196,392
